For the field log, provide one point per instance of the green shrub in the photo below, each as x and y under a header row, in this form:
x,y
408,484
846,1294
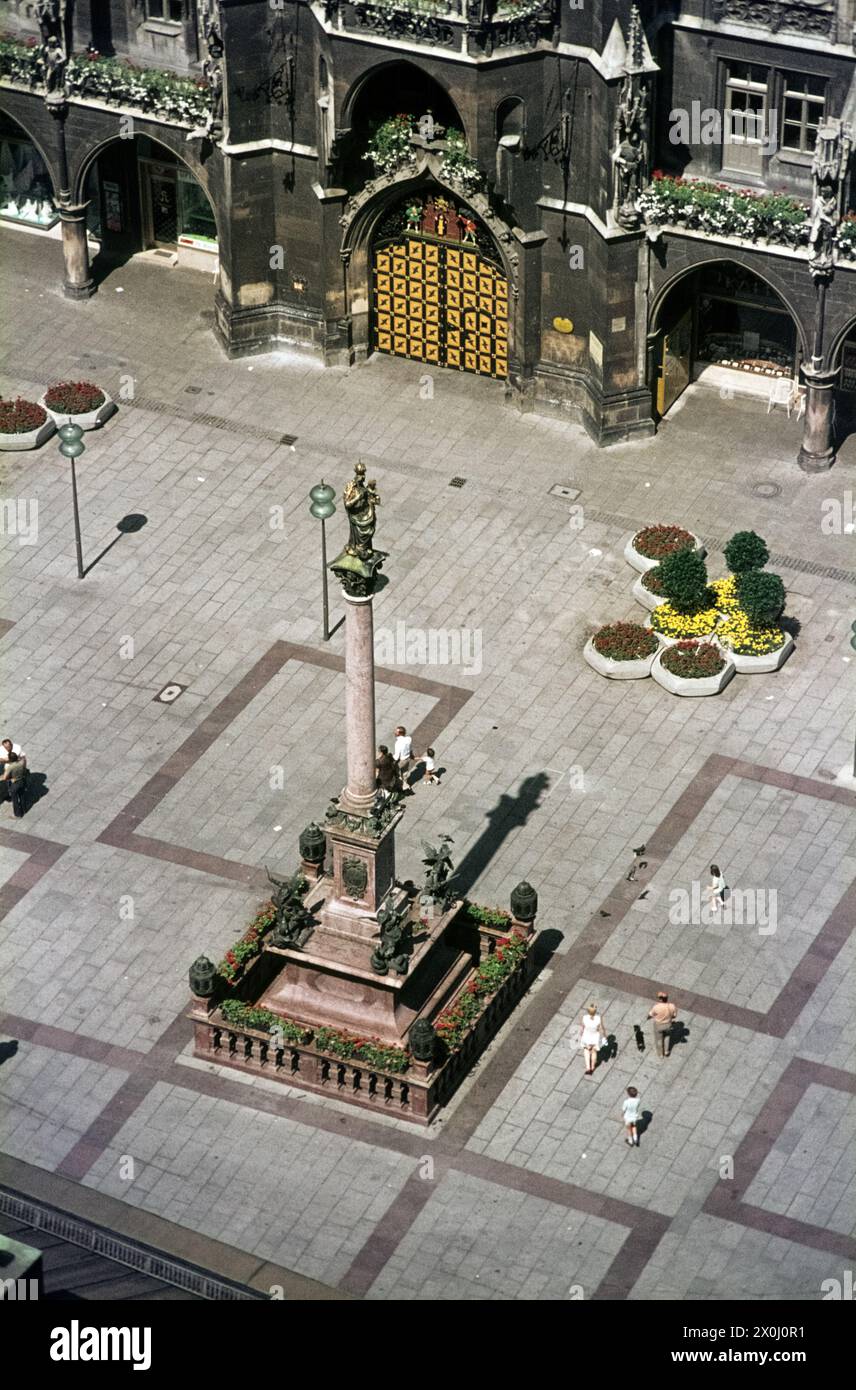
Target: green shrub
x,y
746,551
761,595
683,580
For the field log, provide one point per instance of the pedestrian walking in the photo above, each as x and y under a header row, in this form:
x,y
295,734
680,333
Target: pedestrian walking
x,y
663,1016
8,751
630,1111
591,1037
386,772
717,888
402,751
16,775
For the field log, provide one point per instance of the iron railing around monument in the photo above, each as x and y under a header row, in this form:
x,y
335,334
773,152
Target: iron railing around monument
x,y
475,27
416,1095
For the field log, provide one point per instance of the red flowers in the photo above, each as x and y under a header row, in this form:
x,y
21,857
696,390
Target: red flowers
x,y
20,416
74,397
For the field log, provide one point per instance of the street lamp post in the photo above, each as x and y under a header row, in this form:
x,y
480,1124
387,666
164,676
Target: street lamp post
x,y
322,508
71,447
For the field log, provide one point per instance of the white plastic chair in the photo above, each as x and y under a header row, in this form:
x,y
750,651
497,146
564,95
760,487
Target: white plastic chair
x,y
782,392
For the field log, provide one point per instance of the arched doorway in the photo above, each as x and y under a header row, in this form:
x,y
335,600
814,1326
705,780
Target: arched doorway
x,y
385,92
26,191
439,291
142,197
721,321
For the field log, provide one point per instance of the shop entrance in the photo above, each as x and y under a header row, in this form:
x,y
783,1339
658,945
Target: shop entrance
x,y
142,196
723,323
439,294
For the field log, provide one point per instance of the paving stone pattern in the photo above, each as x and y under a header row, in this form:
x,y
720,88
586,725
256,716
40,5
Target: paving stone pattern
x,y
116,879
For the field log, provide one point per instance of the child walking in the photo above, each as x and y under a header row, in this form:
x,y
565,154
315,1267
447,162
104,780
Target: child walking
x,y
630,1110
429,774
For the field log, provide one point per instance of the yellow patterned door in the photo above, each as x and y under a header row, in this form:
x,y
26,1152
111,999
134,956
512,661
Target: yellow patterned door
x,y
441,303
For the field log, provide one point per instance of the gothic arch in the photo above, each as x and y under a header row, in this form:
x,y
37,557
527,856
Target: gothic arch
x,y
364,211
355,94
86,161
661,295
838,342
46,159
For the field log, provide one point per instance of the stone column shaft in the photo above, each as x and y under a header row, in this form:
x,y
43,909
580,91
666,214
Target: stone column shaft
x,y
818,451
75,249
359,793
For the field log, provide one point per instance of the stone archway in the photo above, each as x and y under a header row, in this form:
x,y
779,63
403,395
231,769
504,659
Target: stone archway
x,y
144,194
720,313
377,220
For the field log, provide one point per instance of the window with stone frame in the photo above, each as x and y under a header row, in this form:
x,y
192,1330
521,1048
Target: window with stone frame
x,y
172,10
746,115
804,104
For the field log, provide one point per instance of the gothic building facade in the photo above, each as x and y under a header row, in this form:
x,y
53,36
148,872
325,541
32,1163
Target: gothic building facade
x,y
590,201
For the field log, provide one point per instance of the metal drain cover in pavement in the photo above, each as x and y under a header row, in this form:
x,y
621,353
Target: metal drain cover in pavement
x,y
288,439
169,693
766,489
457,482
569,493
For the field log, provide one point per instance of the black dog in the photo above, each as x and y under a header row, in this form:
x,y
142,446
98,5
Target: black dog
x,y
639,1036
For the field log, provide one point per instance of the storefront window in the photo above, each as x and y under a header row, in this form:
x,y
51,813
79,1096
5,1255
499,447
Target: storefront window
x,y
805,99
195,216
25,186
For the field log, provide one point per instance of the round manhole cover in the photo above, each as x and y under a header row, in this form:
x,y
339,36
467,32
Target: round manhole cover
x,y
766,489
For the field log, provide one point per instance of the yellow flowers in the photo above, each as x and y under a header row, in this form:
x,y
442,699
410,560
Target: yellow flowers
x,y
670,623
739,636
726,594
731,625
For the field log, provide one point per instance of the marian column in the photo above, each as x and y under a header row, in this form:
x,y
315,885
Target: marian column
x,y
358,571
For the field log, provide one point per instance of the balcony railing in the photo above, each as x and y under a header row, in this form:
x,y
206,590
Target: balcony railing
x,y
789,16
468,26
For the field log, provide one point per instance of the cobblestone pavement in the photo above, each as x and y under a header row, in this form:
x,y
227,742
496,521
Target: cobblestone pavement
x,y
743,1183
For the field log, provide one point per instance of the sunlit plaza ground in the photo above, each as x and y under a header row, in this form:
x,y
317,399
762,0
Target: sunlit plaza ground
x,y
743,1185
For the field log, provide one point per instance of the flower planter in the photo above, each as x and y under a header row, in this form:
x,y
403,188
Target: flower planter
x,y
692,686
89,420
642,562
761,665
645,597
633,670
33,439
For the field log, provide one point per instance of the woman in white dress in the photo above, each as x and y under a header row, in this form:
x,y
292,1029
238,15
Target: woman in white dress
x,y
592,1036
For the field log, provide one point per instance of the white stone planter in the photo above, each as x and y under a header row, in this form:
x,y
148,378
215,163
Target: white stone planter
x,y
761,665
642,563
644,596
617,670
33,439
89,420
702,685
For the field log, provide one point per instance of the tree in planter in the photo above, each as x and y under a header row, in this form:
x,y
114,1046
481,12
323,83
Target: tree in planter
x,y
683,581
761,596
746,551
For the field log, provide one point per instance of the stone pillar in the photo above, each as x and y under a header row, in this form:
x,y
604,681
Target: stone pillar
x,y
359,794
817,453
75,250
526,308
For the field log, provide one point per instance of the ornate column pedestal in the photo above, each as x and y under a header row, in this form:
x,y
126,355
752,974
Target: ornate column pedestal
x,y
817,453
